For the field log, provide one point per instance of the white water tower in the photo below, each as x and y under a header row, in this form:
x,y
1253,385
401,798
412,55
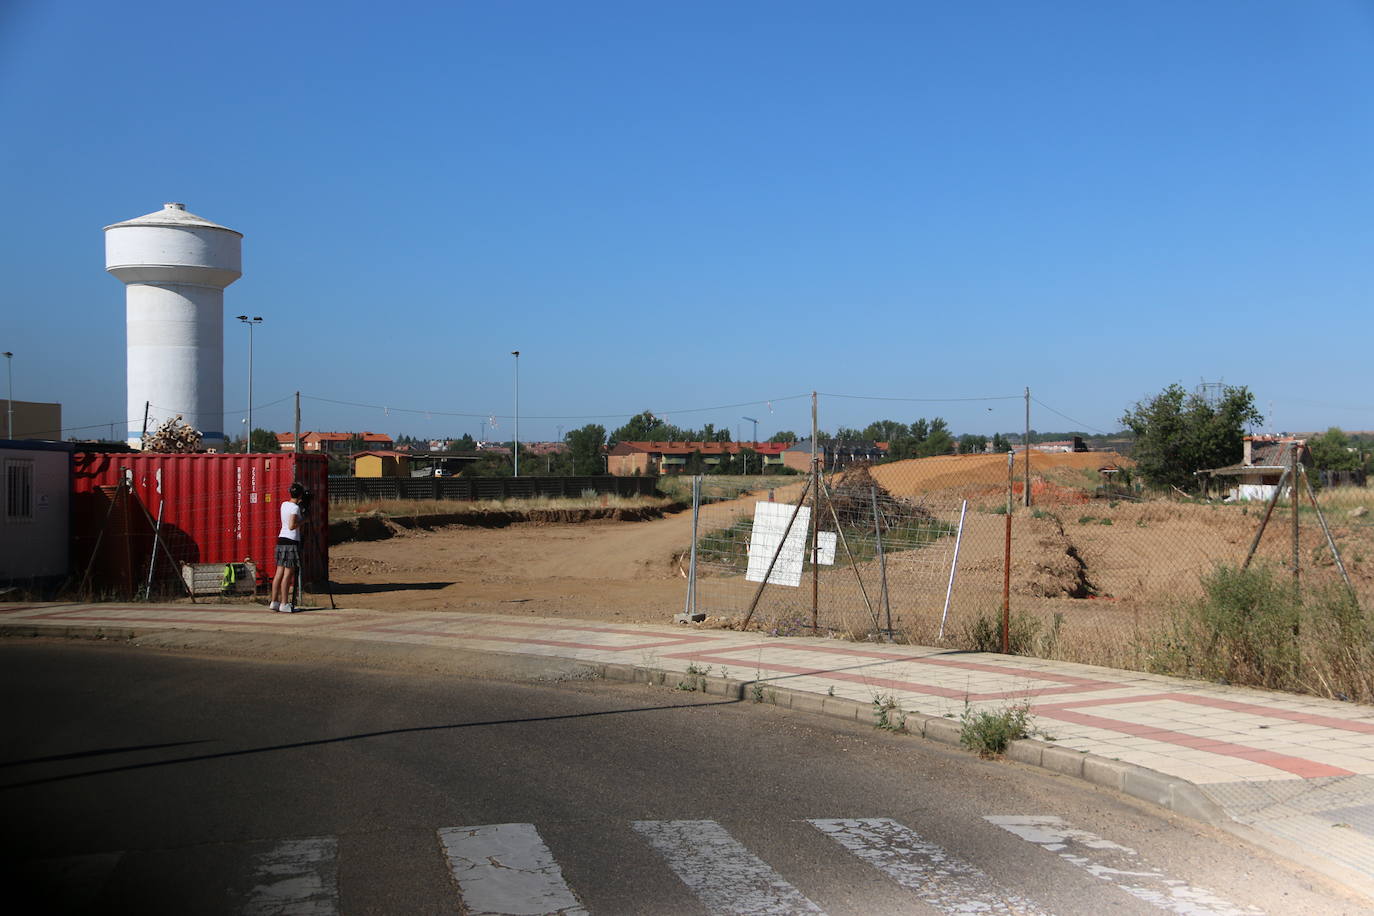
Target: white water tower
x,y
175,266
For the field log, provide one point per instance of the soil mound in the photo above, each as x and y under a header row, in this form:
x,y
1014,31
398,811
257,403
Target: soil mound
x,y
916,476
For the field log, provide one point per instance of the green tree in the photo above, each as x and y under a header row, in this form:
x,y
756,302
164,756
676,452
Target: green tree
x,y
491,464
584,447
1000,443
938,442
645,427
1177,433
785,436
885,431
1331,451
695,465
970,443
749,462
464,444
847,434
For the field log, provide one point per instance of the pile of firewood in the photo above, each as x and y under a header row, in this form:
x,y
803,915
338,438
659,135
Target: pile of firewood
x,y
173,436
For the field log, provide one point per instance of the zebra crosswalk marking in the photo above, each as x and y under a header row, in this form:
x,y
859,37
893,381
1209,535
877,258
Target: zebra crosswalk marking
x,y
298,876
940,880
726,877
1104,859
506,870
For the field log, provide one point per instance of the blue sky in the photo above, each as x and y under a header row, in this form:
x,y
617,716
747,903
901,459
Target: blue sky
x,y
702,208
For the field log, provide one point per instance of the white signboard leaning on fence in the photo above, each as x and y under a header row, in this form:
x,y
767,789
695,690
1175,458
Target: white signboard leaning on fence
x,y
770,521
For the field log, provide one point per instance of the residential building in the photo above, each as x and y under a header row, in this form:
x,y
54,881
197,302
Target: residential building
x,y
32,420
628,459
380,464
334,443
1262,464
834,454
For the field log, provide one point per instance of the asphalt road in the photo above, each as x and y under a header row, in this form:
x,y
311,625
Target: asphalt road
x,y
138,780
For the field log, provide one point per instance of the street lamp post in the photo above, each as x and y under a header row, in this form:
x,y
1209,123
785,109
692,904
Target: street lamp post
x,y
248,442
516,354
9,399
756,440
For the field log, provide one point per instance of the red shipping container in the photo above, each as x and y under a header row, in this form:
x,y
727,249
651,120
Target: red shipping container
x,y
215,509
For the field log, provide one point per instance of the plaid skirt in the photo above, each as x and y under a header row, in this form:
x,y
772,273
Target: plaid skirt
x,y
289,556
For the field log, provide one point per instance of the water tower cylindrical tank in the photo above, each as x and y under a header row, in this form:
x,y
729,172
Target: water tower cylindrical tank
x,y
175,266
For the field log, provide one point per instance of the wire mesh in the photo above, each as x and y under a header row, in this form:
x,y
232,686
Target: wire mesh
x,y
1098,567
872,564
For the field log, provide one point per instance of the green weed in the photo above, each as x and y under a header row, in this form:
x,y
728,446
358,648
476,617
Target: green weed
x,y
988,733
887,715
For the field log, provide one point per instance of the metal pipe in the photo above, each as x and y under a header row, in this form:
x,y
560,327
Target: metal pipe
x,y
1330,541
1006,562
953,565
878,522
1264,522
152,560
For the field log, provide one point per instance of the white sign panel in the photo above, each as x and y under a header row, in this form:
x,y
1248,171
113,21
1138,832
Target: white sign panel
x,y
770,521
825,548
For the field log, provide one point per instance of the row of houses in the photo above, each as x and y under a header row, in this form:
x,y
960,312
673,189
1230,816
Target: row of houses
x,y
627,459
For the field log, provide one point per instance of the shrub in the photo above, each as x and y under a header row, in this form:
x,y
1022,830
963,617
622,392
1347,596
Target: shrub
x,y
987,733
1255,628
1027,635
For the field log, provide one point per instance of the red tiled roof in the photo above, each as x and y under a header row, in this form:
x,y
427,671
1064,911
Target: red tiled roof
x,y
705,448
333,437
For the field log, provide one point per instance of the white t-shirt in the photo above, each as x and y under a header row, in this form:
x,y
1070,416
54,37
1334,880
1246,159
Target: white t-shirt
x,y
290,510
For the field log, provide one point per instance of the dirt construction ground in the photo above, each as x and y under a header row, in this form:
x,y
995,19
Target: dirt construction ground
x,y
1084,557
601,569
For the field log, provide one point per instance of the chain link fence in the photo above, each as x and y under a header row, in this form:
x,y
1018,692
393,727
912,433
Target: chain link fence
x,y
916,551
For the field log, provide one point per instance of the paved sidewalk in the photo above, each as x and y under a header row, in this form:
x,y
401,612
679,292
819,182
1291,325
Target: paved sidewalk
x,y
1292,773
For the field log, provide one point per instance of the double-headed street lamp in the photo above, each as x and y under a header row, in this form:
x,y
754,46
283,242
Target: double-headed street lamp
x,y
516,354
248,442
9,399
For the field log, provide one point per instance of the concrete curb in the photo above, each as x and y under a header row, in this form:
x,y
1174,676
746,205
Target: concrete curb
x,y
1161,790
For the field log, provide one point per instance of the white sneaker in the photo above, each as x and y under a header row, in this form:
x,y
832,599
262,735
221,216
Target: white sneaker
x,y
286,609
274,606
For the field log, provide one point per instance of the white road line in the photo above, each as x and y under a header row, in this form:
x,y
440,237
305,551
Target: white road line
x,y
506,870
940,880
298,877
1118,865
726,877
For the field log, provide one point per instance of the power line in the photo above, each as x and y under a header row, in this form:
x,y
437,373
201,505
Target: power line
x,y
1078,423
865,397
608,416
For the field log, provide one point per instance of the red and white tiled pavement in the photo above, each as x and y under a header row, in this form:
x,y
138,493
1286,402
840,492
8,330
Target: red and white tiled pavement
x,y
1300,769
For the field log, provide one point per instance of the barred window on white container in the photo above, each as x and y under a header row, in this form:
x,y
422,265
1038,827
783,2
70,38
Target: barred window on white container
x,y
19,491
